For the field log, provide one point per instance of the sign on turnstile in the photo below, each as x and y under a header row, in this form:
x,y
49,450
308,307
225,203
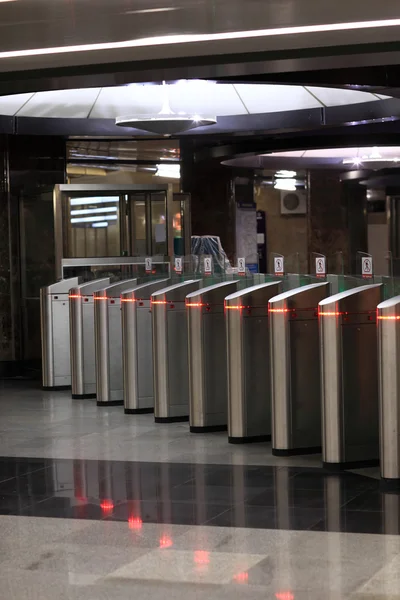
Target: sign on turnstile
x,y
148,262
320,266
279,265
208,265
241,266
178,265
367,270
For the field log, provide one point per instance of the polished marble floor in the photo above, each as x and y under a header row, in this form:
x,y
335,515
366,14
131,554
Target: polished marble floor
x,y
98,505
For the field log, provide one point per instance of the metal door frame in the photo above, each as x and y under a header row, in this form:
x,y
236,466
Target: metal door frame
x,y
119,190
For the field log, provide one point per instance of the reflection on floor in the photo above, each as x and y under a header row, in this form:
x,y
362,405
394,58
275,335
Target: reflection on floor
x,y
129,509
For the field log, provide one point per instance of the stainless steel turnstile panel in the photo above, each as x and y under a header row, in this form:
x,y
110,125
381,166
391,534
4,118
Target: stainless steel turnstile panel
x,y
208,397
108,342
170,352
295,370
81,310
54,322
349,374
249,386
137,347
388,314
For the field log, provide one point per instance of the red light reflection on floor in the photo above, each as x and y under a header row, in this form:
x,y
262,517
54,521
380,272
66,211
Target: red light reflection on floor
x,y
284,596
165,542
135,523
241,577
106,505
202,557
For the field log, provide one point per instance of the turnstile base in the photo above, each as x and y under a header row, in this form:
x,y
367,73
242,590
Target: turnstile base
x,y
358,464
138,411
83,396
55,388
297,451
209,429
171,419
111,403
390,485
249,439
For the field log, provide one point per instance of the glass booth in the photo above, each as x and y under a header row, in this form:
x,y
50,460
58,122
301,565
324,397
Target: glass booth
x,y
95,221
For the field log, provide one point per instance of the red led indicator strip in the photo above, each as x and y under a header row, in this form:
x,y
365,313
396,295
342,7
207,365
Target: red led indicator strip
x,y
128,299
338,313
159,302
281,310
75,296
388,317
195,304
101,297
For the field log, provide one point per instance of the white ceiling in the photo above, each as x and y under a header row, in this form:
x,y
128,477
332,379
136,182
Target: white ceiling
x,y
384,152
192,97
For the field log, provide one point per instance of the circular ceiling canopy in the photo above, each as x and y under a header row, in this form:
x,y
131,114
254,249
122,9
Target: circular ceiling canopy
x,y
375,157
190,97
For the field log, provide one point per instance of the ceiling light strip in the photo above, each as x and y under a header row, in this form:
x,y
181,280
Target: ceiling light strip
x,y
191,38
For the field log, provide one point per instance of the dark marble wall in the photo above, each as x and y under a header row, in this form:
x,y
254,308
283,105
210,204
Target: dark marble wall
x,y
29,168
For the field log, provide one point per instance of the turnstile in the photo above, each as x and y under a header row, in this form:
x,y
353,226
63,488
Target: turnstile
x,y
208,390
249,393
349,373
81,311
108,343
295,370
54,322
170,352
137,347
388,315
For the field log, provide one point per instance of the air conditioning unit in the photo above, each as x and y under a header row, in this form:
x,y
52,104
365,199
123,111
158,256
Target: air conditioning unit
x,y
294,203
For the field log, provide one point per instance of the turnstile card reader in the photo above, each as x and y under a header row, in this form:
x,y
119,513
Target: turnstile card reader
x,y
54,322
295,370
208,390
137,347
108,343
170,352
388,315
81,311
249,386
349,374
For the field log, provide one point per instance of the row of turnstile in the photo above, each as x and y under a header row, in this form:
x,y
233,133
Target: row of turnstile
x,y
299,366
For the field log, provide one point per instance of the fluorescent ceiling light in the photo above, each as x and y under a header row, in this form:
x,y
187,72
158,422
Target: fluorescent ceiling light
x,y
171,171
190,38
286,185
100,224
93,219
101,200
285,174
90,211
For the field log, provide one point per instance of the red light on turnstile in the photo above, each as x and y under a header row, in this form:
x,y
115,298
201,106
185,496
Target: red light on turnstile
x,y
159,302
332,313
388,317
202,557
128,299
194,304
284,596
100,297
235,307
75,296
280,310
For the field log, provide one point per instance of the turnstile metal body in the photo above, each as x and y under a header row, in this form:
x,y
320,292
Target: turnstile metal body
x,y
208,389
54,323
249,386
108,343
388,315
170,352
137,347
81,311
349,374
295,370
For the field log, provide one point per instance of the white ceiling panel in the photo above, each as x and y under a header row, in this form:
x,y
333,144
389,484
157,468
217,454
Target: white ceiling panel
x,y
206,98
10,105
70,104
288,154
275,98
127,100
339,97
